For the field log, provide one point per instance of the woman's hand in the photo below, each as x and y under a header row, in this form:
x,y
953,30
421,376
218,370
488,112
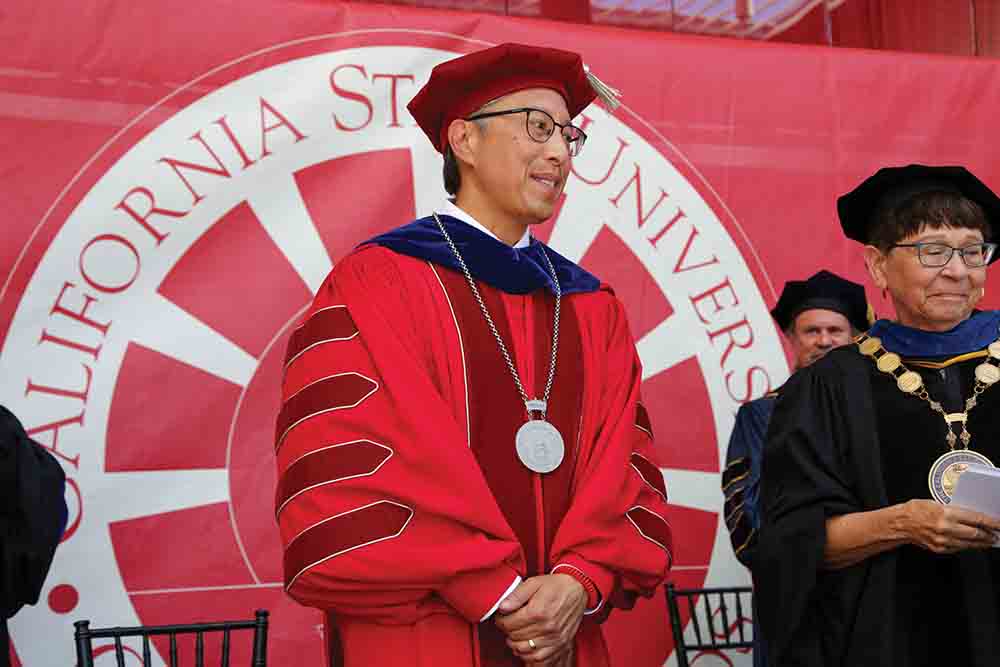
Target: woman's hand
x,y
851,538
944,529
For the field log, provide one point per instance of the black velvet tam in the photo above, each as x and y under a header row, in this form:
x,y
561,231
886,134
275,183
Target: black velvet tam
x,y
891,186
823,290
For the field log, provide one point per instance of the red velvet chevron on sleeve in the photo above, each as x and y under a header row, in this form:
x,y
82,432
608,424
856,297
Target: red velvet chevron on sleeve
x,y
372,420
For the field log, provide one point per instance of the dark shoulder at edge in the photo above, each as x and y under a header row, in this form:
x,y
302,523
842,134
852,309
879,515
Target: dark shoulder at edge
x,y
837,363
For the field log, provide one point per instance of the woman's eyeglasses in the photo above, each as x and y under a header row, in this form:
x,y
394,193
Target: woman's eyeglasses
x,y
936,255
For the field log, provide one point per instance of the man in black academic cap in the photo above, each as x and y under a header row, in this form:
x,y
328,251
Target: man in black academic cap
x,y
816,315
32,519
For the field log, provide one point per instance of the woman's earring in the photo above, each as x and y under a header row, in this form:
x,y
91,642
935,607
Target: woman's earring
x,y
884,297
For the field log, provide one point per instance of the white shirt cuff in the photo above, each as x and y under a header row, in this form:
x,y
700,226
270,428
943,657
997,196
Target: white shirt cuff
x,y
510,589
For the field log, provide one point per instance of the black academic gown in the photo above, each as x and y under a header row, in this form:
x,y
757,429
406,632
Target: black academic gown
x,y
844,439
32,519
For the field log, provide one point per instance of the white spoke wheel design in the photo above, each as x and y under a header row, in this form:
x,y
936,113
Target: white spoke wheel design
x,y
179,317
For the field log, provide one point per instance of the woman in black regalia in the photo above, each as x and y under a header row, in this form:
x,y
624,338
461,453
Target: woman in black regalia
x,y
862,559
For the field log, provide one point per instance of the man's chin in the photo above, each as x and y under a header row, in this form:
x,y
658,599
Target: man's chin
x,y
538,217
542,209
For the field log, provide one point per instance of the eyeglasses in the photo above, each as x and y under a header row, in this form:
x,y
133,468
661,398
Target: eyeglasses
x,y
936,255
540,126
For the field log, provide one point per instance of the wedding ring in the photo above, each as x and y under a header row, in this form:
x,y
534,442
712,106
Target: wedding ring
x,y
531,643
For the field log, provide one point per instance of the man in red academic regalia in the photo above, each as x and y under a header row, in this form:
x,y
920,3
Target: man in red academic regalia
x,y
465,468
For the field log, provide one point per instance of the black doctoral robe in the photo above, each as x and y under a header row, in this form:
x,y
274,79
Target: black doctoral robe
x,y
844,439
32,519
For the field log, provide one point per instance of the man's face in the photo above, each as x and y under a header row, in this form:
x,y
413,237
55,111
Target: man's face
x,y
520,179
815,332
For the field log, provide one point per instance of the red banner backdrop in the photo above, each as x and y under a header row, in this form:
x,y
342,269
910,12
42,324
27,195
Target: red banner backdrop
x,y
179,177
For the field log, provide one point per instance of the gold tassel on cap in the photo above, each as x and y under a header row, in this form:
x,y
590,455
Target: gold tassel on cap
x,y
610,96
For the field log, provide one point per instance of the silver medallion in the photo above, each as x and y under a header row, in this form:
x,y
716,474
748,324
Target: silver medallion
x,y
539,446
948,468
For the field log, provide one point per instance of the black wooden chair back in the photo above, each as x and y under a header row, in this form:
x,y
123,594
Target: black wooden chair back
x,y
85,634
720,619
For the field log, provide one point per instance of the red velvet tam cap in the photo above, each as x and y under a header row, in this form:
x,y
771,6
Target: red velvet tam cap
x,y
461,86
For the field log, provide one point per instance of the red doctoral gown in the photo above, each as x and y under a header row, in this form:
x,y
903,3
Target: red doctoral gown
x,y
404,510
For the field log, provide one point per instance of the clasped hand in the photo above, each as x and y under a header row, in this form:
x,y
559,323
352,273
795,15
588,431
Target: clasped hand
x,y
546,610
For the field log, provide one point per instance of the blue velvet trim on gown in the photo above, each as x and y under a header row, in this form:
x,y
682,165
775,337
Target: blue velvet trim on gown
x,y
511,270
975,333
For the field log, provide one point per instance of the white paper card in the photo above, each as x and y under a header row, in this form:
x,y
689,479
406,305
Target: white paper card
x,y
978,488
